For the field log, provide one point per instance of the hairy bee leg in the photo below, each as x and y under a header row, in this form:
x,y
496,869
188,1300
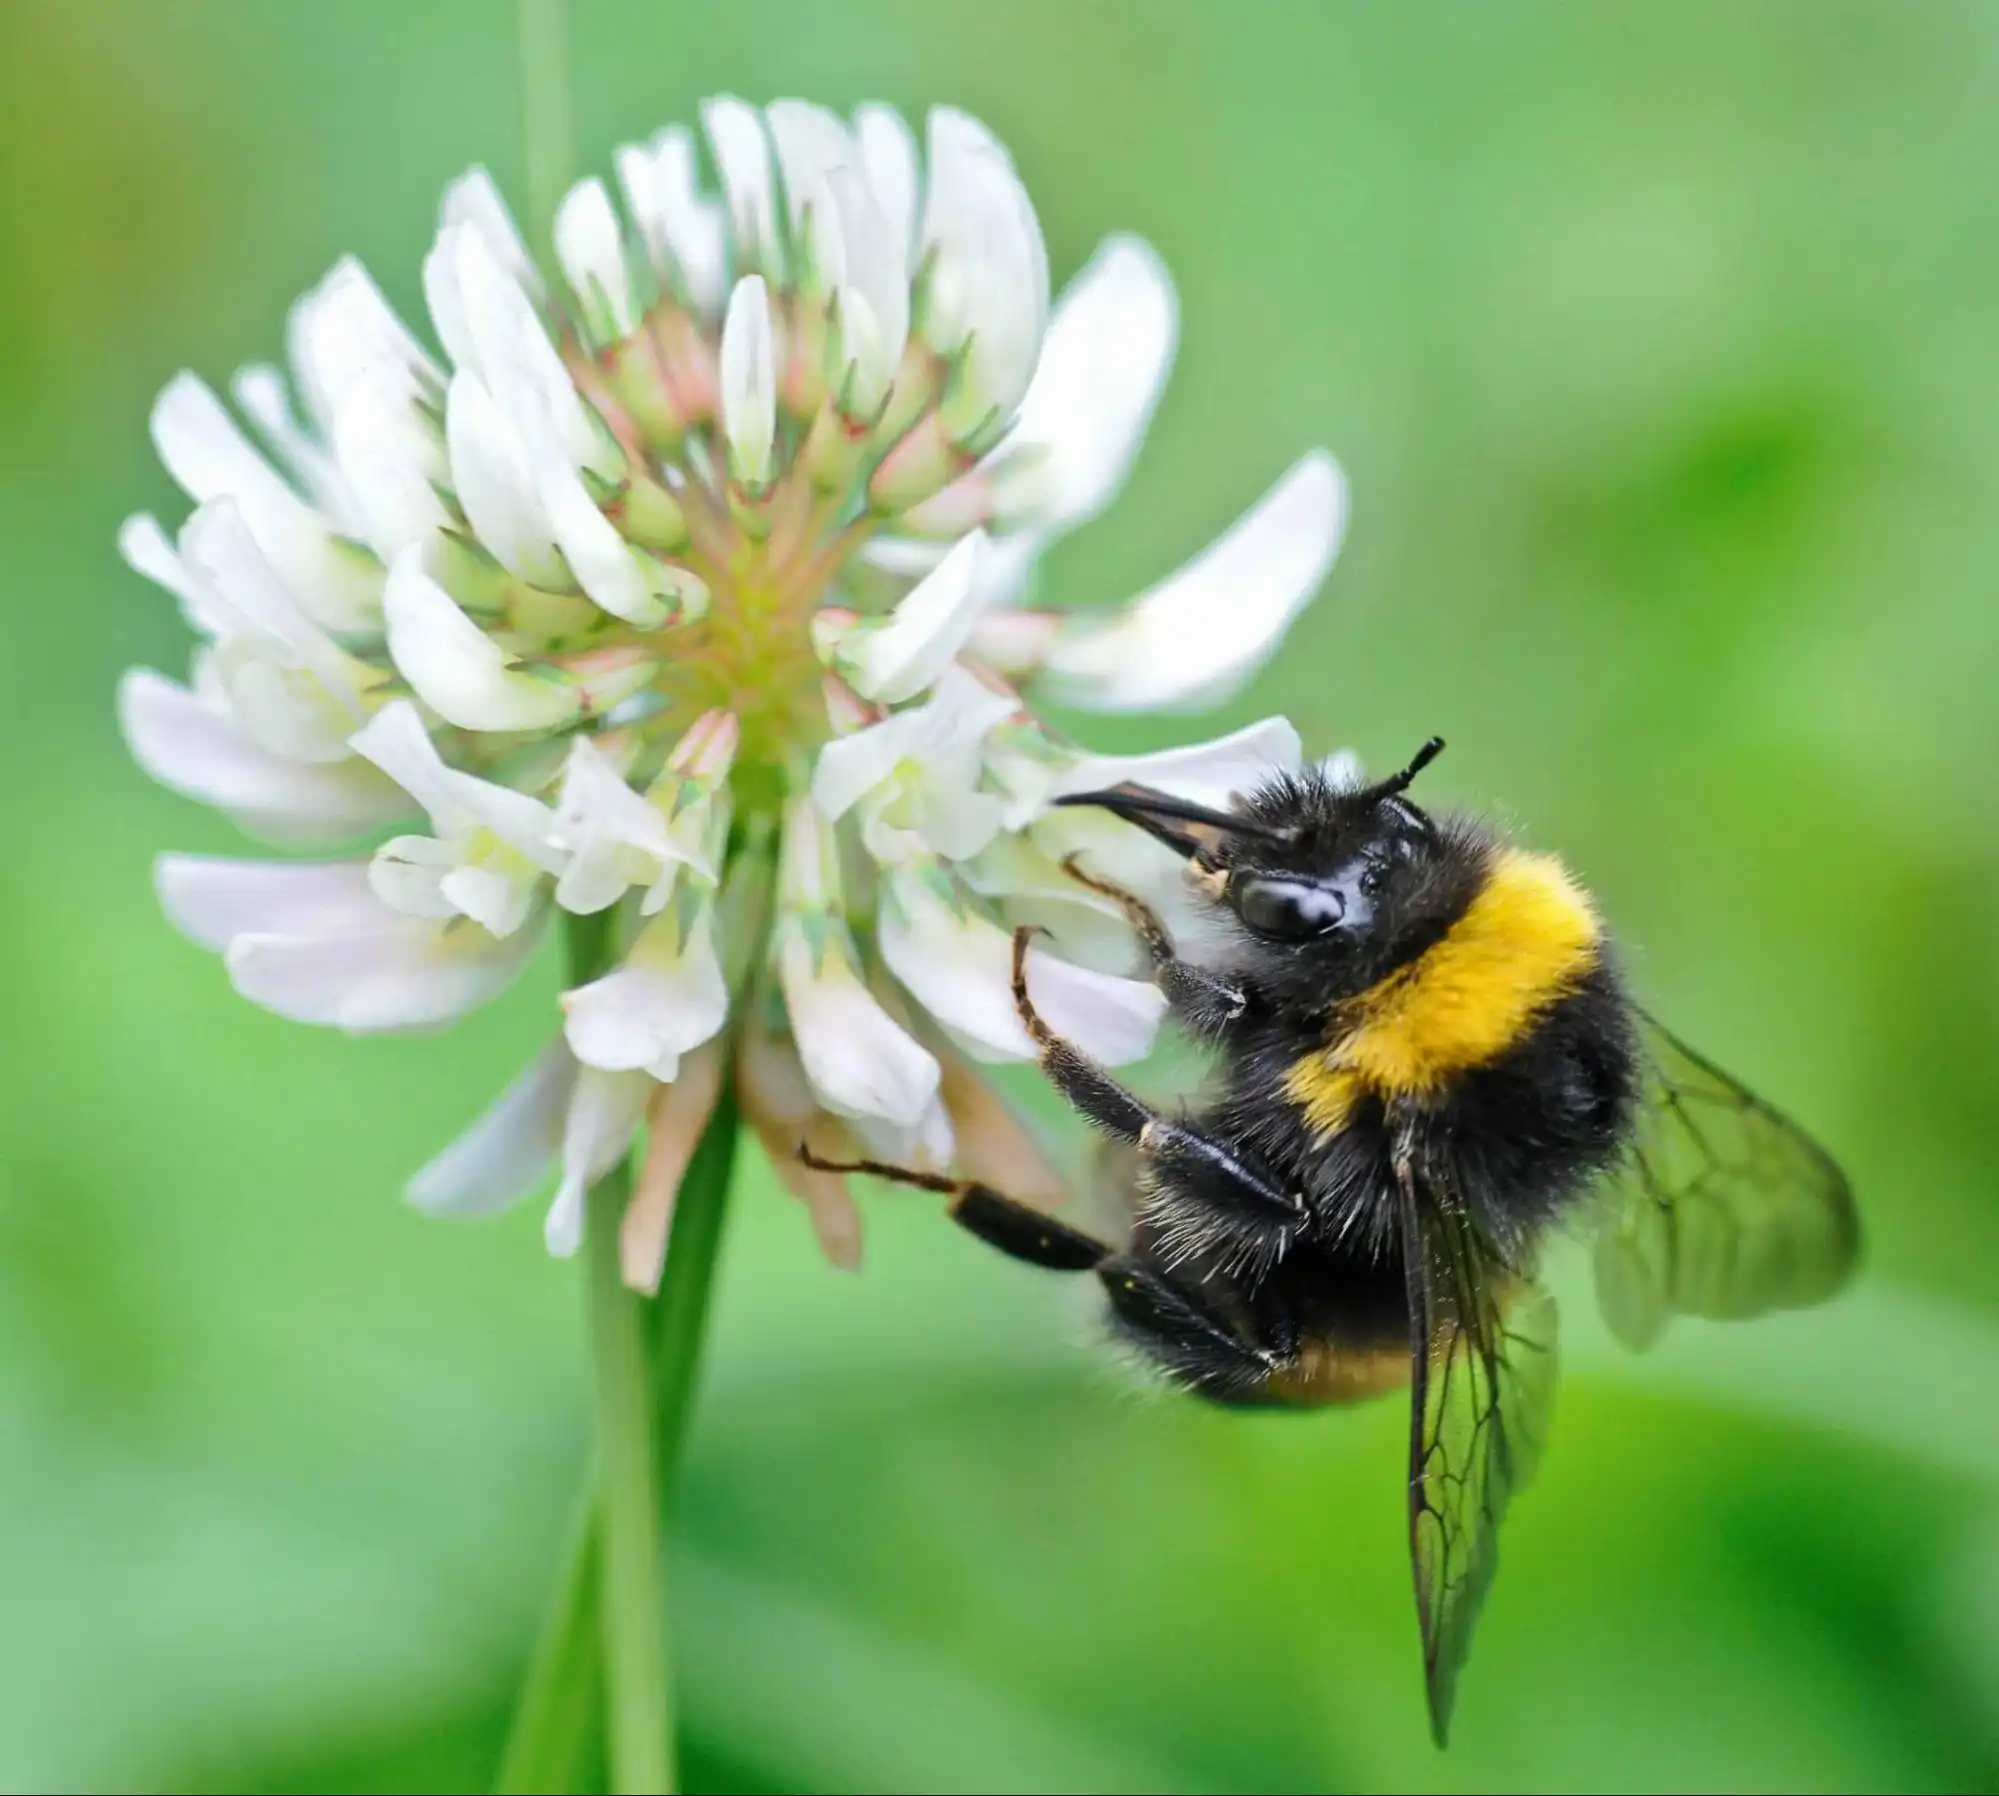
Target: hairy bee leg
x,y
1018,1230
1176,1330
1226,1168
1205,1001
1072,1072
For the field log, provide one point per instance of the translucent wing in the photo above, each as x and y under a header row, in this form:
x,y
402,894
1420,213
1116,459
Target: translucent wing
x,y
1483,1344
1721,1208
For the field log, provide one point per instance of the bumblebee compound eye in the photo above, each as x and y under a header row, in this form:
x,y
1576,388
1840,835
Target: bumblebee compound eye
x,y
1289,910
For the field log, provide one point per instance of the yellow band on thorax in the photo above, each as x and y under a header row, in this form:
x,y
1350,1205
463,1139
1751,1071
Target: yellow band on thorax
x,y
1523,942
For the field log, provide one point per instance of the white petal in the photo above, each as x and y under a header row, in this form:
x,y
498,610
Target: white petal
x,y
614,838
682,229
604,1111
184,744
617,578
742,155
899,656
210,458
940,738
389,458
1202,632
988,279
888,157
147,550
260,395
1209,773
397,742
456,669
749,383
663,1001
212,901
810,142
591,248
474,200
859,1060
344,331
407,874
507,1152
495,483
520,367
959,967
405,973
1108,351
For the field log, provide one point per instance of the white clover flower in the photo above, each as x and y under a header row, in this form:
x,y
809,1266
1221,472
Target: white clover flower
x,y
685,586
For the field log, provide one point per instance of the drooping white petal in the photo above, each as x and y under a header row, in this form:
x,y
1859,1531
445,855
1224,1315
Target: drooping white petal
x,y
473,199
591,247
1103,366
894,658
495,483
676,1117
888,158
987,279
958,966
749,384
185,744
403,973
780,1107
209,458
742,156
666,998
456,668
604,1110
212,901
508,1150
860,1061
1203,631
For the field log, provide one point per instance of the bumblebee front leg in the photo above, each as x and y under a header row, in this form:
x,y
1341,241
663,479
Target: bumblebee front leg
x,y
1203,1000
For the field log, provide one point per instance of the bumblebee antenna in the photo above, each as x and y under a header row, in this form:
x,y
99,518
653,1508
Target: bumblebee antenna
x,y
1400,782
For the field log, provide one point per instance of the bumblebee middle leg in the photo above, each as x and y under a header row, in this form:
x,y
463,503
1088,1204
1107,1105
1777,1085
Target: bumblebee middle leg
x,y
1205,1001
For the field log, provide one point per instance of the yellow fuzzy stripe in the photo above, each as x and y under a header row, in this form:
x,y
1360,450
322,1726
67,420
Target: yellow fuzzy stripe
x,y
1525,941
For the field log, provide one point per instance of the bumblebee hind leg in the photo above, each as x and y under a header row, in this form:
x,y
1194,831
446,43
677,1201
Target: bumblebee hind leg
x,y
1173,1325
1018,1230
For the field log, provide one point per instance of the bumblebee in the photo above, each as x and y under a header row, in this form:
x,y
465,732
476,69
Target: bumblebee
x,y
1429,1060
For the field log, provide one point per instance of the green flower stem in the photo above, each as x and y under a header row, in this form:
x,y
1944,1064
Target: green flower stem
x,y
631,1586
541,42
560,1707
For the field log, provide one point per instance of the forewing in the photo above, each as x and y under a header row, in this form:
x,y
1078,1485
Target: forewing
x,y
1483,1344
1722,1207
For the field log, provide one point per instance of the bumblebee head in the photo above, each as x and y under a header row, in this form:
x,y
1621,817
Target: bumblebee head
x,y
1354,880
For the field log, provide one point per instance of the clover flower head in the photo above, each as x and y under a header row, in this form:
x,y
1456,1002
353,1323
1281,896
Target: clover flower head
x,y
690,583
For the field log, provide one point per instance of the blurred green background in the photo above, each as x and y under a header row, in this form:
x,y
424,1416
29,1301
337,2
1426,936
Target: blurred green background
x,y
1662,346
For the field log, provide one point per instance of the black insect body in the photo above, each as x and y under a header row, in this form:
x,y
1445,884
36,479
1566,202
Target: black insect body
x,y
1428,1060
